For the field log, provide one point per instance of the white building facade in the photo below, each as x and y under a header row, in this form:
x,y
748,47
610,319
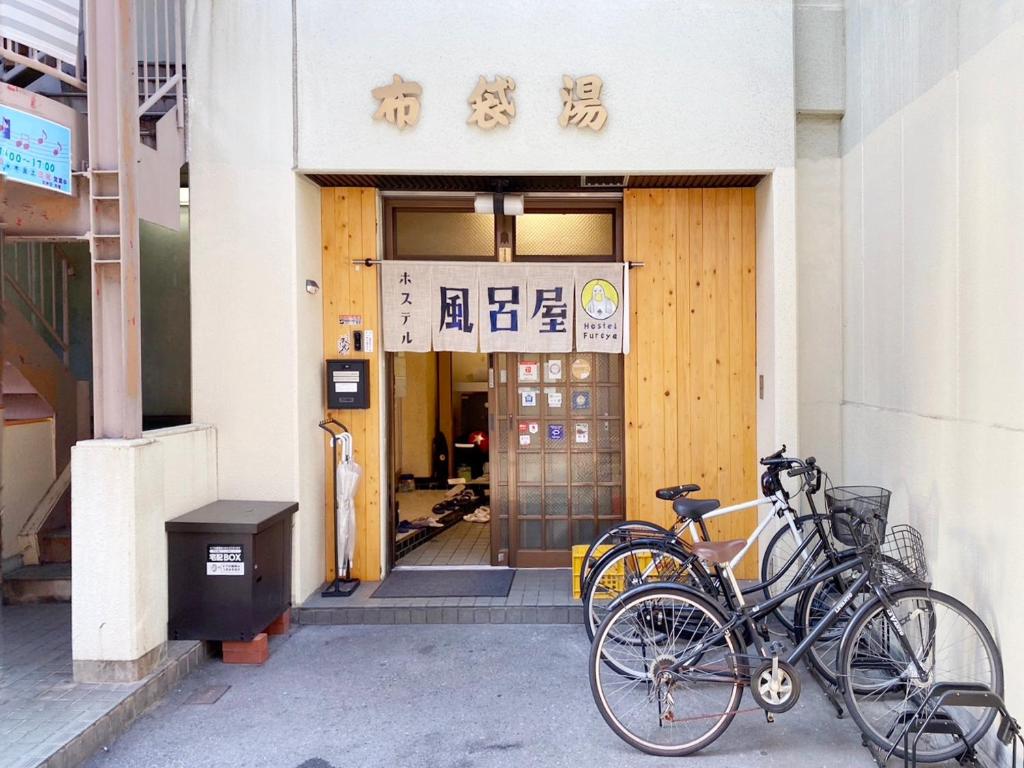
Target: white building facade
x,y
884,140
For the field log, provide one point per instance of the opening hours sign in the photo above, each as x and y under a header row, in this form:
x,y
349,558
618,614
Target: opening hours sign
x,y
34,150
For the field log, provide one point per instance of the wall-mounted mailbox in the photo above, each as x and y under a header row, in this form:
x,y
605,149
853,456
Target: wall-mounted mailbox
x,y
348,384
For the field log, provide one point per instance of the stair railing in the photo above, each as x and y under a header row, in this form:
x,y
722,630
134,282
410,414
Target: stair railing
x,y
19,54
35,280
160,33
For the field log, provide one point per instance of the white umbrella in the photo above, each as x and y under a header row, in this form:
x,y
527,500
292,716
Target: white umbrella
x,y
346,481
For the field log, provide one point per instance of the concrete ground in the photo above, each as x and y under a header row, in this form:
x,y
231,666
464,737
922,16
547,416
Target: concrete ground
x,y
469,696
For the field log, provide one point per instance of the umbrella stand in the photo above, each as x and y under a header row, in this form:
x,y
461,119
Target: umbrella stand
x,y
342,585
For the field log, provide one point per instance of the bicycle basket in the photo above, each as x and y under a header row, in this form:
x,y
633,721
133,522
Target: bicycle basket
x,y
901,559
858,514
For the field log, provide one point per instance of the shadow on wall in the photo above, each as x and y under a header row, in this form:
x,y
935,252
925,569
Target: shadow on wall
x,y
166,324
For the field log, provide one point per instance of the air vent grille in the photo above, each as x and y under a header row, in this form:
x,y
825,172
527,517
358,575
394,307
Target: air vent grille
x,y
602,181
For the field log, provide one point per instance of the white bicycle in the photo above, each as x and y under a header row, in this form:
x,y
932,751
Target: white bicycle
x,y
639,552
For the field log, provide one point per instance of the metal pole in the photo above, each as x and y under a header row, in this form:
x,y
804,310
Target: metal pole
x,y
113,99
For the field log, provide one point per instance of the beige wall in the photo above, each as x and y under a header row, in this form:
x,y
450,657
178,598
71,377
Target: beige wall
x,y
416,412
28,470
257,336
469,366
123,493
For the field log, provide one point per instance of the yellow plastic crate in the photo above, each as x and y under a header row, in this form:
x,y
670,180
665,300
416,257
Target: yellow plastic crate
x,y
579,551
614,579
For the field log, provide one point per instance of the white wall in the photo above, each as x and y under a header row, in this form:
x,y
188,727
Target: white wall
x,y
28,470
697,86
255,239
690,86
123,493
777,406
819,253
819,54
933,195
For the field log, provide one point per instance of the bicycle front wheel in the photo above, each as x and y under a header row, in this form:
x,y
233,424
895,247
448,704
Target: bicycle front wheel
x,y
780,557
689,688
890,661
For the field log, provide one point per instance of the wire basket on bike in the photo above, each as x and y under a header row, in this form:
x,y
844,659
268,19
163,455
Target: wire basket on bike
x,y
858,514
901,559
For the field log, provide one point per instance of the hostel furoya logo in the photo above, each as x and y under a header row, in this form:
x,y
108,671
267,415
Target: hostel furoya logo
x,y
599,299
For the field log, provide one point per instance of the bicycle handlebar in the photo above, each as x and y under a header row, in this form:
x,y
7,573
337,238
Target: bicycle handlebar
x,y
775,456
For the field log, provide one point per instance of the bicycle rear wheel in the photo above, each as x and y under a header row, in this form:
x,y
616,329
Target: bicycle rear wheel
x,y
629,565
689,687
883,688
617,534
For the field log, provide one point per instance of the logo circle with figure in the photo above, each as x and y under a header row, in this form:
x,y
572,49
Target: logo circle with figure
x,y
599,299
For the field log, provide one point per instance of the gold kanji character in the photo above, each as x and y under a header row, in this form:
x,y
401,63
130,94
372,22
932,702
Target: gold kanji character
x,y
581,102
399,102
491,103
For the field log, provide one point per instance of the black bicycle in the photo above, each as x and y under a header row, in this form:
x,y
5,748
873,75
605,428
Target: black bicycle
x,y
801,545
668,664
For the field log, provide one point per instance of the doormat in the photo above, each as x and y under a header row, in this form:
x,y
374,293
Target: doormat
x,y
462,583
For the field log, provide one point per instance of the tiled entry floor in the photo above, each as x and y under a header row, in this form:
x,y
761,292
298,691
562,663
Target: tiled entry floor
x,y
45,717
537,596
465,543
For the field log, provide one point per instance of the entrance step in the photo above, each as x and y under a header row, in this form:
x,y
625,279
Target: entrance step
x,y
434,614
48,583
537,596
55,546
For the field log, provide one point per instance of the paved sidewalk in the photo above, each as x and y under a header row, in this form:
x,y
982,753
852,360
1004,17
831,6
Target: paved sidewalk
x,y
45,717
439,697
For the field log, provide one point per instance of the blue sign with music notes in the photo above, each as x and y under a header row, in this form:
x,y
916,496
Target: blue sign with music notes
x,y
34,150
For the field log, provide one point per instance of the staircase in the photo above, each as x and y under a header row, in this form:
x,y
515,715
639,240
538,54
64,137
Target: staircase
x,y
121,89
33,279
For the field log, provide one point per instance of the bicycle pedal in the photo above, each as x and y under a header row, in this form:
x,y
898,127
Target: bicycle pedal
x,y
776,647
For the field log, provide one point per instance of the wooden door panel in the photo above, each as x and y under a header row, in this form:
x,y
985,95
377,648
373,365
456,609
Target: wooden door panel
x,y
690,377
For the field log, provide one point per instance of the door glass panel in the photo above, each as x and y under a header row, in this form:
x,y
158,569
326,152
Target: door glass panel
x,y
558,534
582,531
529,501
556,501
530,534
583,468
529,467
609,467
609,402
556,468
609,435
583,502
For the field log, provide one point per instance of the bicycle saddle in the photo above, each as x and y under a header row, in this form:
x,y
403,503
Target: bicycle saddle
x,y
667,494
694,509
718,552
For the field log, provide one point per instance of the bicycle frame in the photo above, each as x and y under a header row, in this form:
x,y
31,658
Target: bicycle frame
x,y
782,509
749,615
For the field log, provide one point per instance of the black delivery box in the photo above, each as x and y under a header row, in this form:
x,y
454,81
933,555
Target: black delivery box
x,y
229,567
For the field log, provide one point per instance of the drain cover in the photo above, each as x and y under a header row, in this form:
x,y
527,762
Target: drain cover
x,y
208,695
